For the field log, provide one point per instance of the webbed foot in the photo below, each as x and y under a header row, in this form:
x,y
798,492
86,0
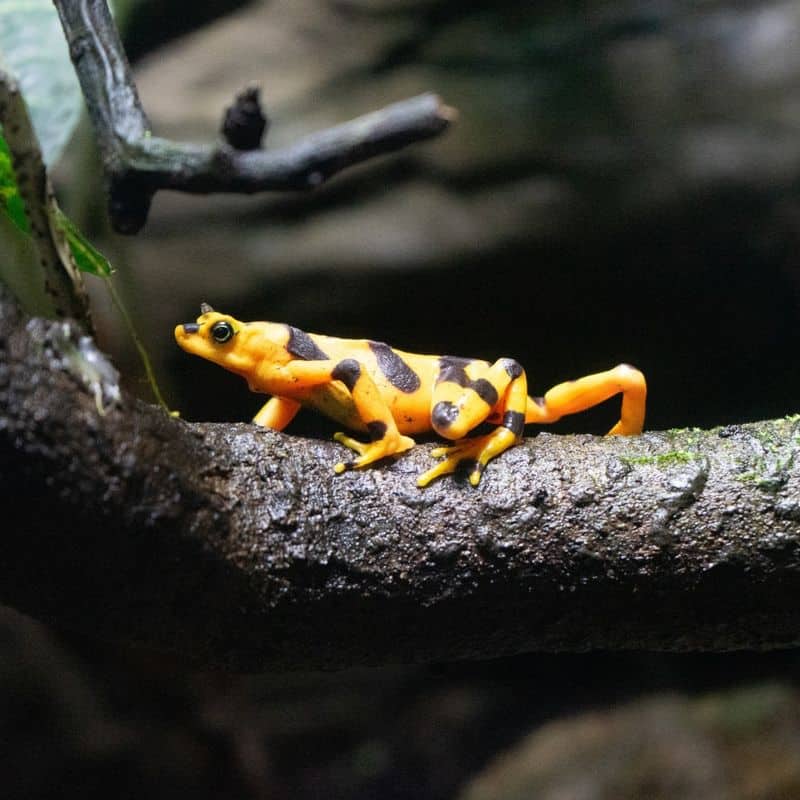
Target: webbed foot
x,y
474,453
371,451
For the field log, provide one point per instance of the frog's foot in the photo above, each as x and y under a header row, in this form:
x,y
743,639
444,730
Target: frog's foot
x,y
473,453
626,428
371,451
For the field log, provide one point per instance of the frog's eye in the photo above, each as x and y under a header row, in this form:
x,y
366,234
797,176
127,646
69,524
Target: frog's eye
x,y
222,332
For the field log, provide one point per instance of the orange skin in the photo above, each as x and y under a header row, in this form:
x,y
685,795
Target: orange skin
x,y
390,395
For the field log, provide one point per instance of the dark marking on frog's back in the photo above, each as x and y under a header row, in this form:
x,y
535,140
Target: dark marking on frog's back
x,y
348,372
397,372
300,344
453,370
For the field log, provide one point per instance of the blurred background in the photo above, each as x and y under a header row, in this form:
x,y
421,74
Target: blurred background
x,y
623,184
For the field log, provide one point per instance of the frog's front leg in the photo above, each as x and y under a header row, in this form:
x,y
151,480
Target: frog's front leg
x,y
277,413
461,403
385,439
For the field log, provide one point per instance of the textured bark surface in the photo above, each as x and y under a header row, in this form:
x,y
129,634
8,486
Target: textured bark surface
x,y
239,546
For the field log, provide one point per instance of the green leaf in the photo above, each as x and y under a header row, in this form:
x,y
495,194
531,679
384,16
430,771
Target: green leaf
x,y
10,199
87,257
33,49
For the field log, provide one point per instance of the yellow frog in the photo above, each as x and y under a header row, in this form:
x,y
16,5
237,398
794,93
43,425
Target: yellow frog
x,y
389,394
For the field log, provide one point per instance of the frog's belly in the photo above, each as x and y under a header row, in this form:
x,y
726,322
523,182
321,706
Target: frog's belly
x,y
335,402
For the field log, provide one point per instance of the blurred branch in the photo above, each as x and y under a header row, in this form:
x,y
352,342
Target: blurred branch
x,y
139,164
239,546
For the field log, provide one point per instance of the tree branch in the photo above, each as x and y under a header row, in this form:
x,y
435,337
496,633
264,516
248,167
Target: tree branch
x,y
138,164
235,545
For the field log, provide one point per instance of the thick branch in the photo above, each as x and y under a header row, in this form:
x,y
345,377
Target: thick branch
x,y
139,164
236,545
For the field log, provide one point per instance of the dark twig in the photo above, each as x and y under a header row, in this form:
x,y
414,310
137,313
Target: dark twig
x,y
237,545
245,124
139,164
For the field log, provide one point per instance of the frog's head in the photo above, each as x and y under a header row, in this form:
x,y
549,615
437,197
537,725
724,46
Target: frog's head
x,y
213,336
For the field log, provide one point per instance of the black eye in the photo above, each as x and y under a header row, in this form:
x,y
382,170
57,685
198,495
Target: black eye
x,y
222,332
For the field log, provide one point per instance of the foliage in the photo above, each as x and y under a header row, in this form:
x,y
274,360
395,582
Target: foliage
x,y
10,198
87,257
33,49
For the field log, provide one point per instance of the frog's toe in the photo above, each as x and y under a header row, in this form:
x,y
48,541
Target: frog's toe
x,y
470,454
454,457
369,452
476,472
453,450
443,468
353,444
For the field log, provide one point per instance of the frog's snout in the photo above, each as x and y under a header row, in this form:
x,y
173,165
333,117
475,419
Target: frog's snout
x,y
183,332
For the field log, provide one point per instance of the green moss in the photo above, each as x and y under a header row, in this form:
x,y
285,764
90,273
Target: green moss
x,y
769,471
748,477
662,459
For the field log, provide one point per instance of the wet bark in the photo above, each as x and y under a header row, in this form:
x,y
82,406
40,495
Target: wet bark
x,y
237,546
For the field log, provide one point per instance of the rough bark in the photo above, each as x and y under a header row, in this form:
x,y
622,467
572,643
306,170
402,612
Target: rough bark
x,y
239,546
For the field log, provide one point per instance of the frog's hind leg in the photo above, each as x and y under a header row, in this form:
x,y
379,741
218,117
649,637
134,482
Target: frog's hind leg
x,y
502,392
574,396
517,409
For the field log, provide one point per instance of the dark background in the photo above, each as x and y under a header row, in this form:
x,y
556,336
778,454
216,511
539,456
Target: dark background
x,y
622,185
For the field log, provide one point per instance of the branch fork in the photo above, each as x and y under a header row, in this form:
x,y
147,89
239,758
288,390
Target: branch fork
x,y
138,164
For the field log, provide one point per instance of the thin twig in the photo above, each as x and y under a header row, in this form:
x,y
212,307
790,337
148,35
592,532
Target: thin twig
x,y
139,164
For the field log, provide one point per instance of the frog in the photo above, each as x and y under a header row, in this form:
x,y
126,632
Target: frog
x,y
390,396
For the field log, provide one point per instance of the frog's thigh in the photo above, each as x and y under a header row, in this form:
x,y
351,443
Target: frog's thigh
x,y
460,402
476,452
